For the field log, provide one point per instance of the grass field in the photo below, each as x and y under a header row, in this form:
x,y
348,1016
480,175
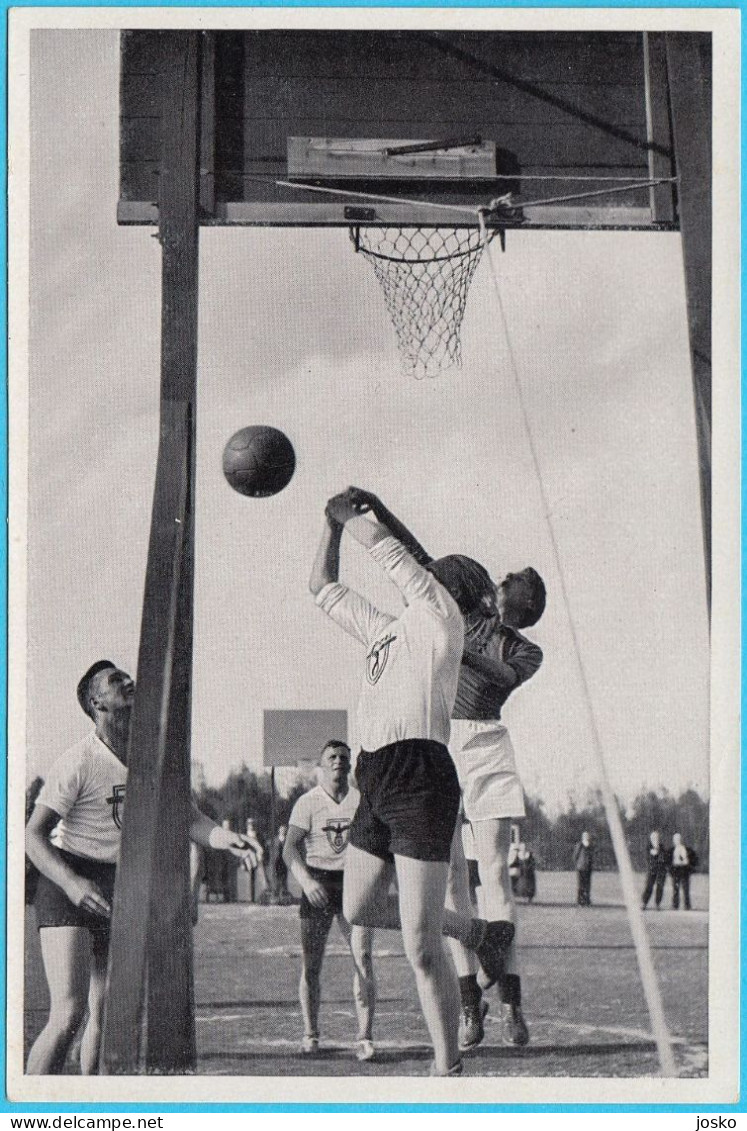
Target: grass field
x,y
583,998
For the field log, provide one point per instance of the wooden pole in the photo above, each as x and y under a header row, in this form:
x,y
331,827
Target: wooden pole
x,y
689,69
151,928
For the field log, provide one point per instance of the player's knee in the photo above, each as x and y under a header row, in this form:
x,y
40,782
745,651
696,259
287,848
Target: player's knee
x,y
424,954
356,910
66,1014
362,956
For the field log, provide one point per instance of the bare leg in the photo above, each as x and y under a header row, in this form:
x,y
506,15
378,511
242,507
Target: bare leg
x,y
314,932
365,890
66,953
90,1045
422,890
367,903
196,877
458,900
492,841
360,941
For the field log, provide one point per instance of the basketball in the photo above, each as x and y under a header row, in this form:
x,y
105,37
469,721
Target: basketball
x,y
259,461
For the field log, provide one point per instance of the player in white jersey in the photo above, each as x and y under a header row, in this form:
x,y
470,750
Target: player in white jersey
x,y
497,658
409,789
315,853
73,838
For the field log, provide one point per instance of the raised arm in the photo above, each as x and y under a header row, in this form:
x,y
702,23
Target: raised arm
x,y
326,567
370,502
413,580
496,670
342,511
519,666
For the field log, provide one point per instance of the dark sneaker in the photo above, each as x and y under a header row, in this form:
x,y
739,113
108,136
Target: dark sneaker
x,y
472,1029
491,952
455,1070
514,1027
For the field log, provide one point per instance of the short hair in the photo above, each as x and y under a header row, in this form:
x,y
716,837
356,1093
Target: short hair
x,y
466,580
84,683
535,606
334,744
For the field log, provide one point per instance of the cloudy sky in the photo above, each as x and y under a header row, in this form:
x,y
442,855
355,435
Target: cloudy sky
x,y
294,332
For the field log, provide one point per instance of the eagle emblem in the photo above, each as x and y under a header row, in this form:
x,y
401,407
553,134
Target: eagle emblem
x,y
376,660
337,834
117,801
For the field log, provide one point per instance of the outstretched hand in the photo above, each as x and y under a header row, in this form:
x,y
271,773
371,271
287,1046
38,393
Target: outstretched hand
x,y
235,843
362,500
340,509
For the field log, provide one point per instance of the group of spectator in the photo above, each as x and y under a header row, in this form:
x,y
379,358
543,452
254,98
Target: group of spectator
x,y
679,861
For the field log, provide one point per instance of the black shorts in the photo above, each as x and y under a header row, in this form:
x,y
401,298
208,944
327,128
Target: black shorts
x,y
54,909
331,881
409,801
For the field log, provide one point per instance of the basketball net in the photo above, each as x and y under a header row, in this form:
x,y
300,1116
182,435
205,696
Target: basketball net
x,y
425,274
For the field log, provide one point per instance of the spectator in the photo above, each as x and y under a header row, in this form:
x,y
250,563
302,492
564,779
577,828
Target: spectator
x,y
684,861
526,882
583,860
657,859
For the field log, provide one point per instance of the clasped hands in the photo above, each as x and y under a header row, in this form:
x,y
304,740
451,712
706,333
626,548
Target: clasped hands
x,y
349,504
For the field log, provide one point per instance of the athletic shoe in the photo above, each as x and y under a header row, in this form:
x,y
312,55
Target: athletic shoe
x,y
491,952
364,1050
310,1046
455,1070
472,1030
514,1027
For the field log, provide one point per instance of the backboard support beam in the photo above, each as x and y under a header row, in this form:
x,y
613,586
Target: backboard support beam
x,y
151,929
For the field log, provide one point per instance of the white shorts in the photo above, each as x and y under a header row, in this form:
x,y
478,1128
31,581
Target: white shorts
x,y
486,766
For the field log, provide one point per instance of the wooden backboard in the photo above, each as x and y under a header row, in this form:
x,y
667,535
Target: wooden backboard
x,y
588,110
292,737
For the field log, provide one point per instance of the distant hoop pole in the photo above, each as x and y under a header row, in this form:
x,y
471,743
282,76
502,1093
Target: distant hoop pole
x,y
151,929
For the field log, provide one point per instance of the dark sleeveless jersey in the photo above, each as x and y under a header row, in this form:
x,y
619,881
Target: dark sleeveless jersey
x,y
481,696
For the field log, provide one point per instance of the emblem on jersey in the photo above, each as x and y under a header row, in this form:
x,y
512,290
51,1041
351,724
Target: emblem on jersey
x,y
117,801
337,834
376,659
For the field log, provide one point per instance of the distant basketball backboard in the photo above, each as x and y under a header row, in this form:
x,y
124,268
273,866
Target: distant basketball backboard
x,y
294,737
563,118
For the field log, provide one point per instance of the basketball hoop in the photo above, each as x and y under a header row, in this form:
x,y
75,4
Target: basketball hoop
x,y
425,274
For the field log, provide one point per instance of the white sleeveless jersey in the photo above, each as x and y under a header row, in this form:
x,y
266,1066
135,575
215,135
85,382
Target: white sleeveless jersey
x,y
326,824
412,661
86,786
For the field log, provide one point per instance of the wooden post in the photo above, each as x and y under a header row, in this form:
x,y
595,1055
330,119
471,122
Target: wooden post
x,y
658,126
151,928
689,67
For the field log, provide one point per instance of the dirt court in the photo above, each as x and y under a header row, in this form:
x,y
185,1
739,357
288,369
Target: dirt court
x,y
582,993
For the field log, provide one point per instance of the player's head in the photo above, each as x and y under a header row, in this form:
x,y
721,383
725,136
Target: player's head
x,y
677,840
521,598
334,762
655,838
466,580
585,838
105,689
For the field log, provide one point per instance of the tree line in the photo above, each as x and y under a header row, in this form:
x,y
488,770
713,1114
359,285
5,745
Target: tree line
x,y
246,794
551,838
